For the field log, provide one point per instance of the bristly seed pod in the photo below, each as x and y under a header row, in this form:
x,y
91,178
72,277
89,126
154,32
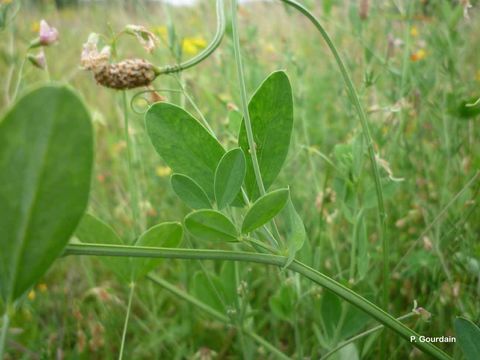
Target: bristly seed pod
x,y
126,74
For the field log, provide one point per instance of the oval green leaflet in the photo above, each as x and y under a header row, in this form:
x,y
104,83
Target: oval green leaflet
x,y
46,156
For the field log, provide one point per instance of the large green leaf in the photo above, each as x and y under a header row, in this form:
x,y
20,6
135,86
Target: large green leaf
x,y
46,155
167,235
190,192
210,225
92,230
264,209
229,177
271,113
184,144
468,336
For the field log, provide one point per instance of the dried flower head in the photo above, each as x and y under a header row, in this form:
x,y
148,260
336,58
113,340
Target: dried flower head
x,y
145,37
47,34
126,74
91,58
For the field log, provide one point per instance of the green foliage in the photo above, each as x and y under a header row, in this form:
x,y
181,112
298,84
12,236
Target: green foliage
x,y
184,144
264,209
168,235
282,303
92,230
468,336
229,177
46,154
207,289
271,112
296,234
210,225
189,192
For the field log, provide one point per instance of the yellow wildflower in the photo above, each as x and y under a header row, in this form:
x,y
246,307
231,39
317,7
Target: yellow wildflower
x,y
161,31
35,27
163,171
6,2
42,287
31,295
270,48
414,31
418,55
192,45
478,75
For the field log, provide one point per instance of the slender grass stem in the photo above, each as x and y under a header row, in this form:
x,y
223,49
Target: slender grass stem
x,y
361,335
11,68
215,314
194,105
19,78
196,254
133,189
368,138
244,100
127,318
3,334
134,204
246,114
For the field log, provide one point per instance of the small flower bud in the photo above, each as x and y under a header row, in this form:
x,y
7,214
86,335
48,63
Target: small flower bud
x,y
424,314
38,60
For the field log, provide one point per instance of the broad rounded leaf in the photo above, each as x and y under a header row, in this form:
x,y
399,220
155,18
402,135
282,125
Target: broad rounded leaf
x,y
190,192
271,113
229,177
468,336
210,225
168,235
92,230
264,209
46,155
184,144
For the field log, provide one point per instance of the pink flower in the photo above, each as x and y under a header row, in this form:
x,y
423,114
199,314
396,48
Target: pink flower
x,y
47,34
38,60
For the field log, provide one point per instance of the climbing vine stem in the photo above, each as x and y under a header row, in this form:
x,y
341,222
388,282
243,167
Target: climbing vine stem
x,y
217,39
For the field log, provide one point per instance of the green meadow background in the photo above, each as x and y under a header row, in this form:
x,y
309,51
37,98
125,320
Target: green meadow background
x,y
416,65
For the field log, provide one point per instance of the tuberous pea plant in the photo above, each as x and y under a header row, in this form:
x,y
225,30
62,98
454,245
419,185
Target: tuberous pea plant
x,y
236,207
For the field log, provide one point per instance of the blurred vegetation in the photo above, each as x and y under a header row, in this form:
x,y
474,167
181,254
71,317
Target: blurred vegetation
x,y
417,66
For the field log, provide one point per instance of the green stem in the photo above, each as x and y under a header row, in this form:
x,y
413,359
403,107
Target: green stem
x,y
214,313
243,93
133,189
206,52
19,79
368,137
361,335
127,317
3,334
280,261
